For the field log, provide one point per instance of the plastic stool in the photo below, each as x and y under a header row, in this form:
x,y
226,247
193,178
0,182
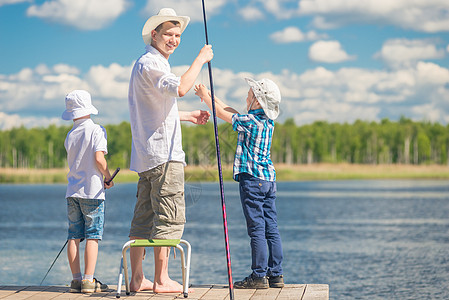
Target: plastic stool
x,y
185,261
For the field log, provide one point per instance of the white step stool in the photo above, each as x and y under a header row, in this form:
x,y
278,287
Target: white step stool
x,y
185,261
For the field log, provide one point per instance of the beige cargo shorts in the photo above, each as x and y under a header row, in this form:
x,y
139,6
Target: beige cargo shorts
x,y
160,208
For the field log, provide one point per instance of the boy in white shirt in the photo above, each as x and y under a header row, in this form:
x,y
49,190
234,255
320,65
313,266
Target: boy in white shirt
x,y
86,145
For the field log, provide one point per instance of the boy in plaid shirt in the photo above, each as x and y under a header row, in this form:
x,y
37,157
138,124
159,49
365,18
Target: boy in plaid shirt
x,y
254,171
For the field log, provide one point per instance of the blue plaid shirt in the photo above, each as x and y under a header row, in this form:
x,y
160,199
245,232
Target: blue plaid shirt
x,y
253,153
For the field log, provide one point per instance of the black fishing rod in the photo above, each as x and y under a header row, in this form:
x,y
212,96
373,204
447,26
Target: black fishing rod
x,y
57,256
112,177
220,174
65,244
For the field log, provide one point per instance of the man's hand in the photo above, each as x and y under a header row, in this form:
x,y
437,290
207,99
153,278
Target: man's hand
x,y
206,54
199,117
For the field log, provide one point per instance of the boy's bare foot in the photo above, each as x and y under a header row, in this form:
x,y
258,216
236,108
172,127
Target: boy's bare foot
x,y
169,286
145,285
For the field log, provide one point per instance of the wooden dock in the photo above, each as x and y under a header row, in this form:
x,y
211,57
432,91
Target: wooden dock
x,y
203,292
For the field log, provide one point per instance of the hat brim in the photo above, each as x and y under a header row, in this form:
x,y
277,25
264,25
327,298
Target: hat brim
x,y
155,21
75,114
262,99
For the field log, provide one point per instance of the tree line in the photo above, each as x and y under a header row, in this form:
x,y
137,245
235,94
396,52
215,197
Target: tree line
x,y
385,142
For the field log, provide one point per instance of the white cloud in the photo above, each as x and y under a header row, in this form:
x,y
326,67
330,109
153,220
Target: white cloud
x,y
14,120
432,74
40,92
404,53
36,96
277,8
293,34
431,113
347,94
328,52
111,81
420,15
447,48
257,9
191,8
81,14
251,13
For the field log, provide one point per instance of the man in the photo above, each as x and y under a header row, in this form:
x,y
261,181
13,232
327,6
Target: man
x,y
157,153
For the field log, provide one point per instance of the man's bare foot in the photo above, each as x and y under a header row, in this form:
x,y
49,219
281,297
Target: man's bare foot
x,y
145,285
169,286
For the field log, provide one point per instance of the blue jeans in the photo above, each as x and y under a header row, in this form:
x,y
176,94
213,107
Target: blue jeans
x,y
86,218
258,202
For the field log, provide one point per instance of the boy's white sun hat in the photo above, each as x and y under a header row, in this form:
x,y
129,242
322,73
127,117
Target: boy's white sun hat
x,y
268,95
78,104
164,15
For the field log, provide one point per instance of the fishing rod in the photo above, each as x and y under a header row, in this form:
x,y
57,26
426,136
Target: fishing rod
x,y
57,256
220,174
112,177
65,244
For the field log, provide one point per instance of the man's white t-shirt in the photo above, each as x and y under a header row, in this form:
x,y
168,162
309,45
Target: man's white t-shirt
x,y
155,123
84,178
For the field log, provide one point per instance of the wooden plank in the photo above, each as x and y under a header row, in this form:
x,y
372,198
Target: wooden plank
x,y
266,294
202,292
295,291
51,292
242,293
25,292
216,292
143,295
316,292
68,296
8,290
199,292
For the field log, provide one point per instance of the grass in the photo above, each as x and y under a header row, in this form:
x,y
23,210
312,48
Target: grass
x,y
358,171
284,173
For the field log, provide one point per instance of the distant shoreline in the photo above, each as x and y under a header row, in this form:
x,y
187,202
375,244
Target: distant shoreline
x,y
284,172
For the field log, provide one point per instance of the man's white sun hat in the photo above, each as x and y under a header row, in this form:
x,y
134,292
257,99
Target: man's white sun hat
x,y
78,104
164,15
268,95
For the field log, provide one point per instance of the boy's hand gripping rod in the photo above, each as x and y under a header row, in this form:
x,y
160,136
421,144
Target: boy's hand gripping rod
x,y
225,223
112,177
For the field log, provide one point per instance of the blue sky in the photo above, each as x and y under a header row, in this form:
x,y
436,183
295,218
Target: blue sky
x,y
334,60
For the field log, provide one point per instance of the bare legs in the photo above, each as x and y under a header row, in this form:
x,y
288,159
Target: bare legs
x,y
138,280
162,282
90,256
73,255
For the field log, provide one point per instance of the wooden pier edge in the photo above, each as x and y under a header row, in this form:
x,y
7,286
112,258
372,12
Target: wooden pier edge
x,y
201,292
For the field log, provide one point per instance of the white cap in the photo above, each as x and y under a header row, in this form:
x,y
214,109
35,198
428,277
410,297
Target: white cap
x,y
78,104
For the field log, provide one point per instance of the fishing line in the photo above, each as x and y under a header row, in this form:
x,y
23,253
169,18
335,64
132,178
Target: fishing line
x,y
217,144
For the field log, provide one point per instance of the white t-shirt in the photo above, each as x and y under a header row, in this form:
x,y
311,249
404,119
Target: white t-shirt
x,y
155,124
81,143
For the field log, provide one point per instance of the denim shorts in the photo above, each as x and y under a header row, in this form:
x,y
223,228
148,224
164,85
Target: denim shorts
x,y
160,208
86,218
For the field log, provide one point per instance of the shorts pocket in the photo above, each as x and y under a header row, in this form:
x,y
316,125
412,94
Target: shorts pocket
x,y
170,206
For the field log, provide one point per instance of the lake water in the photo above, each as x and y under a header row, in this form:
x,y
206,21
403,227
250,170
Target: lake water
x,y
366,239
